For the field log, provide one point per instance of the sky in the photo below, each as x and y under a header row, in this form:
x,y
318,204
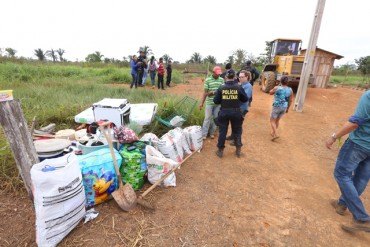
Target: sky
x,y
180,28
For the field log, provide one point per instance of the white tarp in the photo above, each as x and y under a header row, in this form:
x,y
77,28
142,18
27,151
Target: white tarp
x,y
142,114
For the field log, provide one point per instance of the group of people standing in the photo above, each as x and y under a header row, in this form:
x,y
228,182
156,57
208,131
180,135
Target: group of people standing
x,y
228,100
228,96
141,67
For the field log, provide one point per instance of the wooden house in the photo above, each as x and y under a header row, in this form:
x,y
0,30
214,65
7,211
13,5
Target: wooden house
x,y
322,66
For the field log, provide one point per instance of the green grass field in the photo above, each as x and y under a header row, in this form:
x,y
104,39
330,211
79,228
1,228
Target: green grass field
x,y
354,80
55,93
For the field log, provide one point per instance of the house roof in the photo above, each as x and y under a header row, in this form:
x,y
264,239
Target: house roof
x,y
337,56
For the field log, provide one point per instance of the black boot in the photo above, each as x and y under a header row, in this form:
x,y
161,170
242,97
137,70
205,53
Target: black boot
x,y
238,152
220,152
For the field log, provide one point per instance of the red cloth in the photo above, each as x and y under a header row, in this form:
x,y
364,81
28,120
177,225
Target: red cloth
x,y
161,69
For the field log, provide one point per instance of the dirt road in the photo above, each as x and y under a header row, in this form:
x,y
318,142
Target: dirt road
x,y
277,194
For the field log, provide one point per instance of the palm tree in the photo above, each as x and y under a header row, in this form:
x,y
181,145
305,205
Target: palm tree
x,y
210,59
40,54
195,58
94,57
166,58
11,52
146,50
52,54
61,53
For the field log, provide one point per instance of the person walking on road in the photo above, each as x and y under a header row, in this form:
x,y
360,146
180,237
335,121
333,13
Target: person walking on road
x,y
283,97
230,96
211,84
352,168
133,66
160,74
169,73
153,66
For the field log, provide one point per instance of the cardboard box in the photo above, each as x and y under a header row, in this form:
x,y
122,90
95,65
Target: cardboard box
x,y
6,95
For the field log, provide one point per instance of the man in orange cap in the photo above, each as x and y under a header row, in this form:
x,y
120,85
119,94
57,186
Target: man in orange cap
x,y
211,84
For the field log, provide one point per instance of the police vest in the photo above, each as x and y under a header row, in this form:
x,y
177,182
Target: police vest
x,y
230,96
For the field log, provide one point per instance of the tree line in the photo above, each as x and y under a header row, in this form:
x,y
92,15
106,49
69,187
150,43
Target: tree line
x,y
237,58
361,65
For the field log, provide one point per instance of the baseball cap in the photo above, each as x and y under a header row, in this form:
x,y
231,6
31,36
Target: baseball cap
x,y
217,70
230,72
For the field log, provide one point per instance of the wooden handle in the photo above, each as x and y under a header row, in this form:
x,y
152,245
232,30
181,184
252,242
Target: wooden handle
x,y
165,176
109,140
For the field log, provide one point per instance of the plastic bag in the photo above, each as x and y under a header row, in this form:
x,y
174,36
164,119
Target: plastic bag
x,y
194,137
150,138
134,165
59,198
177,121
99,175
125,135
173,145
158,166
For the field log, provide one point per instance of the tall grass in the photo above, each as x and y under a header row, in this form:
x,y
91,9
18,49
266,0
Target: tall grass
x,y
55,94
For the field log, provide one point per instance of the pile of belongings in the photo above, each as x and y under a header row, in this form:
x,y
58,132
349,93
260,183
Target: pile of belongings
x,y
77,171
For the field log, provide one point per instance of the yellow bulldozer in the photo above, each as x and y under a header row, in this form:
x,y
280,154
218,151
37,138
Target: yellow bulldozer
x,y
285,62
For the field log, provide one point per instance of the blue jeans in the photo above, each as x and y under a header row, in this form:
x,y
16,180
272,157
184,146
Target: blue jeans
x,y
145,75
152,77
134,80
209,126
352,172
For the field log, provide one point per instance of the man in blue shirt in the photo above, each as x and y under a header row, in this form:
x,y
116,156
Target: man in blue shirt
x,y
352,169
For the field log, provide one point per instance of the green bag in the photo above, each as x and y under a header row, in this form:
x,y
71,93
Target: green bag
x,y
134,165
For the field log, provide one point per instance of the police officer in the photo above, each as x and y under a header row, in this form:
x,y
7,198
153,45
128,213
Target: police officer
x,y
230,96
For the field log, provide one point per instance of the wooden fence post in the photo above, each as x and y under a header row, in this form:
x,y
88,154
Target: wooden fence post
x,y
19,138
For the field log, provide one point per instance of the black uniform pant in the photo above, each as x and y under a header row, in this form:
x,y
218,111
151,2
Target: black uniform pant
x,y
233,116
160,81
168,80
244,113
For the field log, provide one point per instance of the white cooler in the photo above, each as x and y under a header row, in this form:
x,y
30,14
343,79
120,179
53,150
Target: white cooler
x,y
116,111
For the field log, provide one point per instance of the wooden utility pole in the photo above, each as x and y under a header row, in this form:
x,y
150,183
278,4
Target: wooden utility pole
x,y
309,57
19,138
